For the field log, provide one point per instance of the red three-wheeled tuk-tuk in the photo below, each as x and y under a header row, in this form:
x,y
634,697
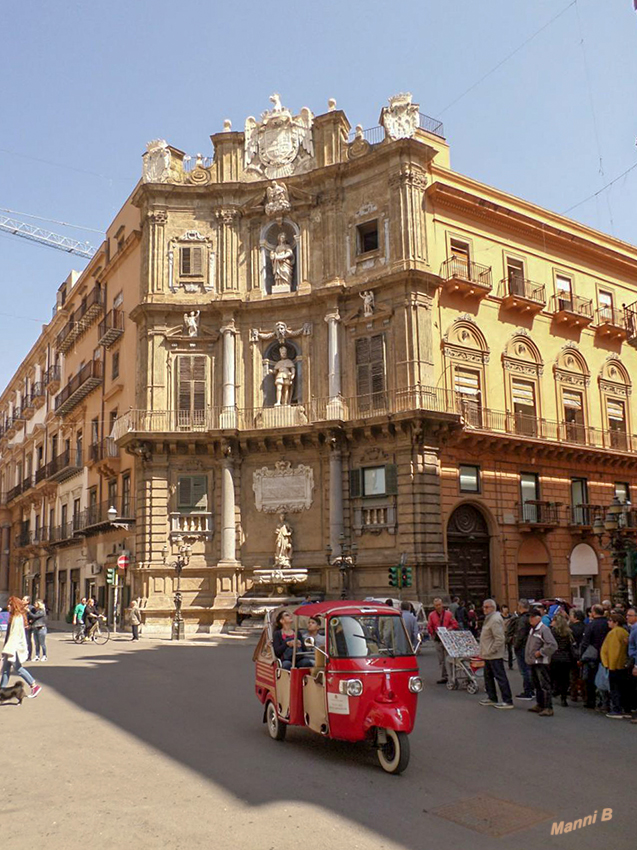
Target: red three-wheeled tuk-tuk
x,y
346,670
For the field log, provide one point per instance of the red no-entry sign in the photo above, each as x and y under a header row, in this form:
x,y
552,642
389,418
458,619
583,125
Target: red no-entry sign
x,y
122,562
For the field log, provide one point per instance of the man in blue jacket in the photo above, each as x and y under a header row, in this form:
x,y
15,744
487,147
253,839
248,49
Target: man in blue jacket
x,y
631,619
594,636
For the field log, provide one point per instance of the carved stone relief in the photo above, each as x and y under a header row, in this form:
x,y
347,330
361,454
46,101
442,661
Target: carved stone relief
x,y
400,119
156,162
280,144
283,488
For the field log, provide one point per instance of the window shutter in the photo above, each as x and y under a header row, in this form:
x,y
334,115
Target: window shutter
x,y
199,492
615,410
199,383
377,353
195,261
523,393
572,400
467,382
185,260
355,483
185,378
184,492
391,479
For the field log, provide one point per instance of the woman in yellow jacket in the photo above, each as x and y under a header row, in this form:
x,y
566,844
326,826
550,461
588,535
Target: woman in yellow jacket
x,y
614,656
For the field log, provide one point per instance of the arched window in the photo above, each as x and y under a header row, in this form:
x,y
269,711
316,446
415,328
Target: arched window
x,y
572,377
615,388
465,347
522,365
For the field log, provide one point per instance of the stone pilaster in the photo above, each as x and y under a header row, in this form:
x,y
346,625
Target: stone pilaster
x,y
229,372
228,218
407,215
156,247
336,496
228,517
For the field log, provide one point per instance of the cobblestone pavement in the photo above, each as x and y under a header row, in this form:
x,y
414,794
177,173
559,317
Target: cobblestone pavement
x,y
157,745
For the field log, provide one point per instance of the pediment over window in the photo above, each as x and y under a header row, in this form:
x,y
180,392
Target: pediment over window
x,y
465,341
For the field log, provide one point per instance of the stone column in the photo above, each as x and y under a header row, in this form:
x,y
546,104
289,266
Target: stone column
x,y
228,524
229,412
336,496
4,562
335,403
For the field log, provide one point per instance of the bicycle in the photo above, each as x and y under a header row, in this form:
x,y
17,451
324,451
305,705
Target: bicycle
x,y
100,633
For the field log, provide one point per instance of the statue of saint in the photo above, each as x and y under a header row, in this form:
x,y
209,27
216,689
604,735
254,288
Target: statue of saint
x,y
368,302
284,373
282,263
191,322
283,544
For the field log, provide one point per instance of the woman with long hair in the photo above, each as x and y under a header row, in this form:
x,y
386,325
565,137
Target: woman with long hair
x,y
15,647
562,658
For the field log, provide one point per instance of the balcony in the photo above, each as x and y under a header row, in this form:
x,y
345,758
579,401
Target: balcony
x,y
582,517
14,492
37,394
87,379
52,379
28,407
195,525
61,467
64,534
526,296
91,306
105,455
536,514
462,277
110,328
573,311
610,323
95,518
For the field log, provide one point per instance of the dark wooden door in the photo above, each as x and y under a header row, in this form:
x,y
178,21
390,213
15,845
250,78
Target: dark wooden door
x,y
468,555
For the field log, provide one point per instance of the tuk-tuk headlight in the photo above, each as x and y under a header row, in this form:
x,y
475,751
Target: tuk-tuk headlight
x,y
415,684
351,687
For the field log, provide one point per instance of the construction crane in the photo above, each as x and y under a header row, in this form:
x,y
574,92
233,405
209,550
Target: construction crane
x,y
46,237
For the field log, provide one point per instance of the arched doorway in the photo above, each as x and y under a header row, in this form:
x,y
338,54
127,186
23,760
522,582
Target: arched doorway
x,y
468,555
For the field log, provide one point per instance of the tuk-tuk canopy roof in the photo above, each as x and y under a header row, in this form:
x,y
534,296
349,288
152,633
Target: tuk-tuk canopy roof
x,y
342,606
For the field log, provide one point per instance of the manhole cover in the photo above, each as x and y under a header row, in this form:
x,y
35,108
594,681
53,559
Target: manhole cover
x,y
491,816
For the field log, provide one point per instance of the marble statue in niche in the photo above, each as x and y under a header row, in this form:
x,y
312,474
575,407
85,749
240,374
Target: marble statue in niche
x,y
283,543
279,246
284,374
282,259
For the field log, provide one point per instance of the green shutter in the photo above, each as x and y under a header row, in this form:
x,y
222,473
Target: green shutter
x,y
355,483
391,479
185,261
184,492
199,492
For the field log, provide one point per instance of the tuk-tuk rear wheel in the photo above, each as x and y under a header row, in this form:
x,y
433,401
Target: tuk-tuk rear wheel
x,y
394,754
276,729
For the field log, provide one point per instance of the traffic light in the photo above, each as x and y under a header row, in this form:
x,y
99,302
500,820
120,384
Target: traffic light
x,y
393,576
406,576
110,575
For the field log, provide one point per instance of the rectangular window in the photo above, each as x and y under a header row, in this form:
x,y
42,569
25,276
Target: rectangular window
x,y
191,391
469,477
191,262
622,492
51,521
529,496
370,371
192,493
605,301
468,387
78,448
523,394
126,495
92,516
515,276
112,419
118,300
564,289
574,416
115,365
373,481
95,431
76,514
64,519
459,250
579,501
367,237
616,412
112,493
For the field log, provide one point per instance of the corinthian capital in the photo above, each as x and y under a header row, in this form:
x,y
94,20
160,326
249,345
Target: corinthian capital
x,y
227,215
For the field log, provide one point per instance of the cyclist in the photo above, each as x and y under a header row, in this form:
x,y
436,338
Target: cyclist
x,y
90,617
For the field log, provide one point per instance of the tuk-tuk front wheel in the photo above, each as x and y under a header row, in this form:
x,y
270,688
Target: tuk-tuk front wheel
x,y
393,755
276,729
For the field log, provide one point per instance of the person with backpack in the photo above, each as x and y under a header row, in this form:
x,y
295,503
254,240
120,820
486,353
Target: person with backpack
x,y
562,659
540,647
591,646
519,631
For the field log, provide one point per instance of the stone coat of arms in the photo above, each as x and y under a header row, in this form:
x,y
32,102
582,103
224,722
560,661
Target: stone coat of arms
x,y
156,162
401,118
280,144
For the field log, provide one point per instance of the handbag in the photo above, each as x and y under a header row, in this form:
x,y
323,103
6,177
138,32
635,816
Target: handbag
x,y
590,654
601,679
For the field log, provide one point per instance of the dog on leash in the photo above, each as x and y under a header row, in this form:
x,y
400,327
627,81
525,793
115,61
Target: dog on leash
x,y
16,692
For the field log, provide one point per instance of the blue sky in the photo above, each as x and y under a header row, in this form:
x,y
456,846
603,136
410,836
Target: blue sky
x,y
87,84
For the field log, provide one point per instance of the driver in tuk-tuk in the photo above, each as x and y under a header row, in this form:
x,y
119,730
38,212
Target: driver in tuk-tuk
x,y
285,639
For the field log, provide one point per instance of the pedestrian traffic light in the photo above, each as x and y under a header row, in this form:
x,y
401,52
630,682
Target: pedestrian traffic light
x,y
110,575
393,576
406,576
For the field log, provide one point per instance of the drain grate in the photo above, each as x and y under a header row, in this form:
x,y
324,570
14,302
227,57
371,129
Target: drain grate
x,y
491,816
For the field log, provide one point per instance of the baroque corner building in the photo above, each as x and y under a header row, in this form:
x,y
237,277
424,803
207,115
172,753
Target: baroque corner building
x,y
310,355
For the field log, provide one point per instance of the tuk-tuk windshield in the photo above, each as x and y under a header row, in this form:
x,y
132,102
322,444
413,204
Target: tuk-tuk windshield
x,y
365,636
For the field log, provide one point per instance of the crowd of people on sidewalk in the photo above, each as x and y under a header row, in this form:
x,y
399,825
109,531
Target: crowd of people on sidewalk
x,y
560,654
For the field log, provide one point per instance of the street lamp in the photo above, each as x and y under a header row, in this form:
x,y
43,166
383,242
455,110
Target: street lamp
x,y
621,543
345,562
183,559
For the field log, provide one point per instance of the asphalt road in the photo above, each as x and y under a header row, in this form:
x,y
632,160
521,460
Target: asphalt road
x,y
156,745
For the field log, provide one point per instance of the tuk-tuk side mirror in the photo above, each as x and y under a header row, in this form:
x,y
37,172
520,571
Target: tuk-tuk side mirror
x,y
310,643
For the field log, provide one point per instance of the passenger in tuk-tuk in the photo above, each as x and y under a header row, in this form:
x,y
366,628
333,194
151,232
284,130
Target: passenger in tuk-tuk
x,y
285,639
314,631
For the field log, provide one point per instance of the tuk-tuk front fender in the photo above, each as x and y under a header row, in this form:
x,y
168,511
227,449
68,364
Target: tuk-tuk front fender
x,y
390,717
